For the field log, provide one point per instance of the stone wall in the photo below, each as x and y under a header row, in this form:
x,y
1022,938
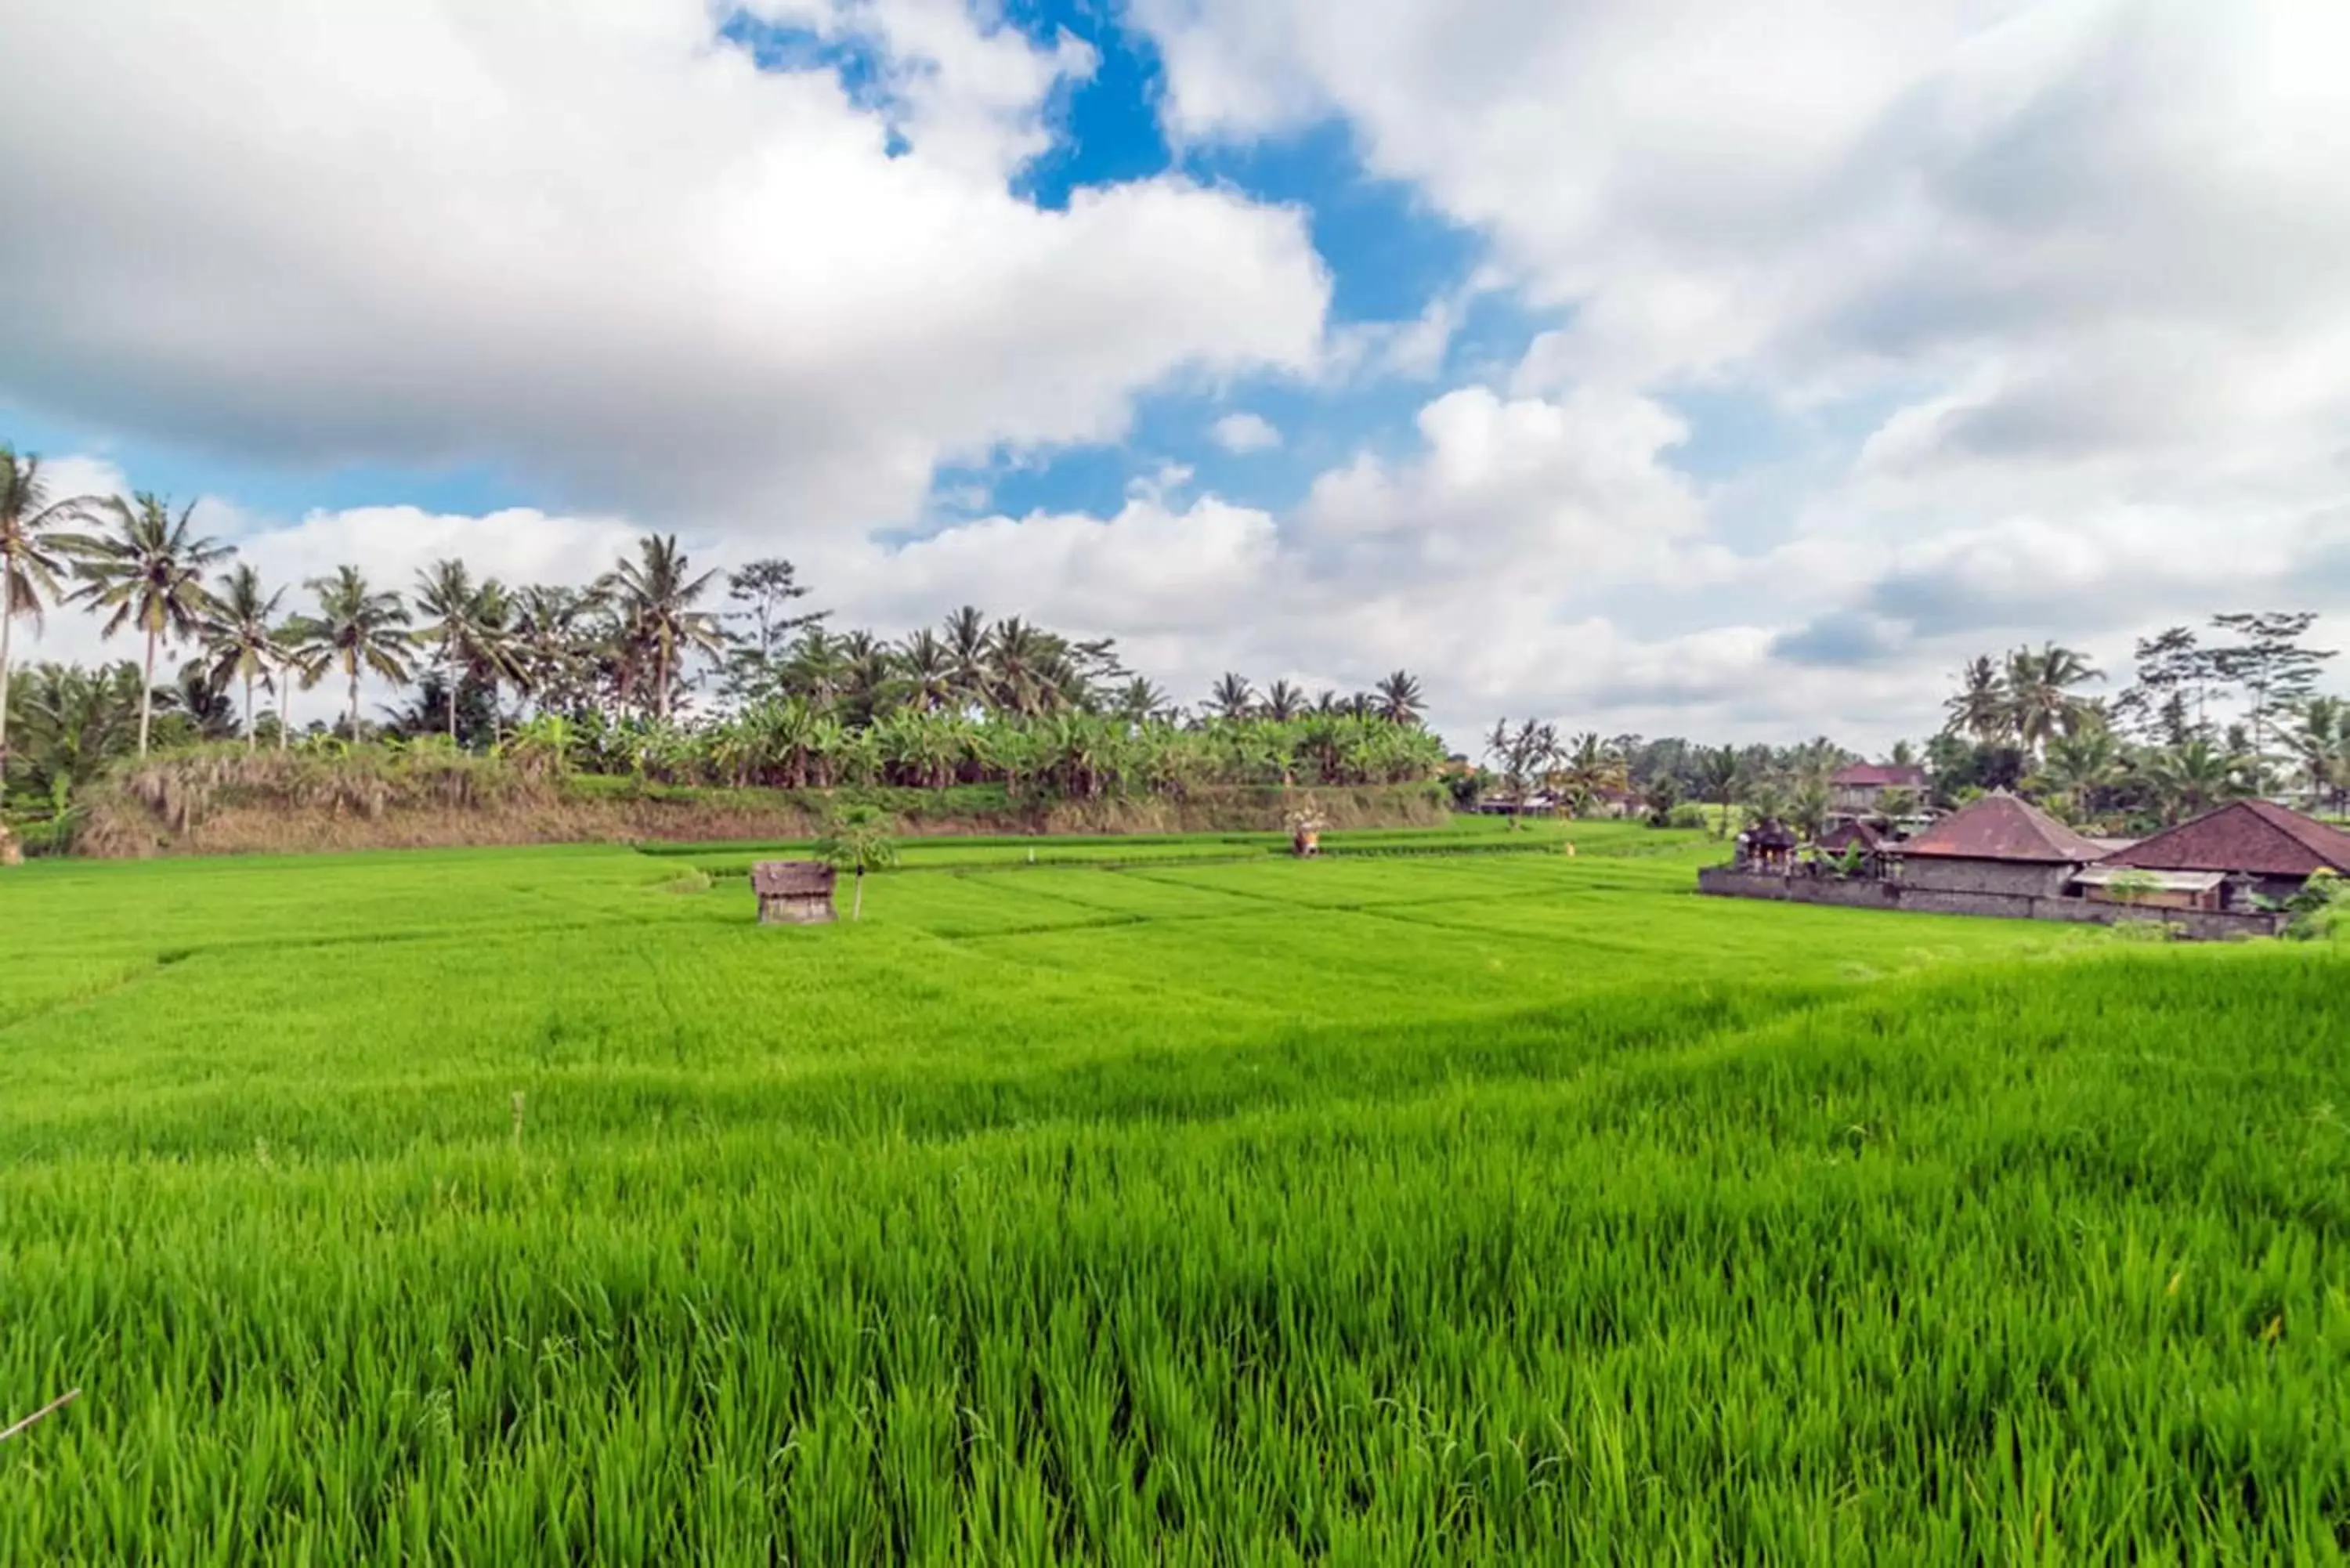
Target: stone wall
x,y
2012,878
2196,925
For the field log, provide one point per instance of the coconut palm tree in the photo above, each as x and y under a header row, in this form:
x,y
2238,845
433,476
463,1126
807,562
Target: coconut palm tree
x,y
654,596
471,628
1718,767
148,569
965,635
1231,697
241,637
1283,702
1400,697
2193,778
2040,700
1521,755
2079,765
1026,667
1140,701
927,667
34,556
2321,745
1979,710
1588,768
357,630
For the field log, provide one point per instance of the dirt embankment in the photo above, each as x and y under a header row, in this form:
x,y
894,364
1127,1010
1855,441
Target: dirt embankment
x,y
235,806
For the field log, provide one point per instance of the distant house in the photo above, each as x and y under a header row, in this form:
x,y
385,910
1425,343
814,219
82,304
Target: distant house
x,y
2257,845
1860,789
1845,836
1997,845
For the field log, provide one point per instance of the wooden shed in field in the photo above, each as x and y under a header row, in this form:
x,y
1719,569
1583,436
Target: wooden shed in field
x,y
793,892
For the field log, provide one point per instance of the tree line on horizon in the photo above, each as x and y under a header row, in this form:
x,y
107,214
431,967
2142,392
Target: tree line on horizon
x,y
2153,755
602,678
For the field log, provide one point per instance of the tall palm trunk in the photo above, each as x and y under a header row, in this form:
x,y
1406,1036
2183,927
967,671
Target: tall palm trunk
x,y
284,703
452,712
252,735
147,694
857,899
355,701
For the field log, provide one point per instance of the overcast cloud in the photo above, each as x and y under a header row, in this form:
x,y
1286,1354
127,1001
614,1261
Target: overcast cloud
x,y
2049,301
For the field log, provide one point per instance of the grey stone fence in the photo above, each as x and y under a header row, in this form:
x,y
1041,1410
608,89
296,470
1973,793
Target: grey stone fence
x,y
1870,893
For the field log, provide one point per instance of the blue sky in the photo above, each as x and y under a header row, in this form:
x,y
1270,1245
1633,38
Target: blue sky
x,y
1677,365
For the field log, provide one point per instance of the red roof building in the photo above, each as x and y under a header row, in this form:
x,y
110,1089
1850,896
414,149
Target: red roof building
x,y
1879,776
1999,826
1860,789
2254,838
1998,845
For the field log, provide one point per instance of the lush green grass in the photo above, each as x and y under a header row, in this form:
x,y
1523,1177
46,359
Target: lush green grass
x,y
1495,1206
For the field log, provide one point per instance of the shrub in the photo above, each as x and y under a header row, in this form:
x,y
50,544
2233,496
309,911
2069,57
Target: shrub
x,y
1687,815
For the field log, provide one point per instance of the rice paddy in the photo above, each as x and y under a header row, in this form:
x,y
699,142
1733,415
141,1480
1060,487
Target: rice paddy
x,y
1154,1202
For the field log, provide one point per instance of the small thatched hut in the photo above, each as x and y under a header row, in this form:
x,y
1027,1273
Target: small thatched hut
x,y
793,892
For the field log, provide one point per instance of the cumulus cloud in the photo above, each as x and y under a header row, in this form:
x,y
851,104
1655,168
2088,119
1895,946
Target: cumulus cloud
x,y
1244,433
591,243
2090,261
2060,293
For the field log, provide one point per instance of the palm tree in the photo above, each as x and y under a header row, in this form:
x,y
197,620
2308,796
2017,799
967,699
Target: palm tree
x,y
150,571
2321,745
2193,778
1026,666
1283,702
2079,765
1140,701
2040,702
1400,697
967,642
1587,769
33,557
927,666
858,840
1521,755
654,596
1718,768
1233,697
356,630
1980,711
241,637
472,627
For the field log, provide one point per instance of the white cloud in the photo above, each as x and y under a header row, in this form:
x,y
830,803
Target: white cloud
x,y
589,243
1245,432
2092,258
2086,261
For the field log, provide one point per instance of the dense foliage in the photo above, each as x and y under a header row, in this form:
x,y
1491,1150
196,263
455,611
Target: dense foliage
x,y
538,1207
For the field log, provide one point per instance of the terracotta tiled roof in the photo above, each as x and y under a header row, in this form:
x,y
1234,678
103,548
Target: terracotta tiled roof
x,y
2001,827
1846,833
2254,836
1882,775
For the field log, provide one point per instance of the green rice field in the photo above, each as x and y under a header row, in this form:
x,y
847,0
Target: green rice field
x,y
1449,1200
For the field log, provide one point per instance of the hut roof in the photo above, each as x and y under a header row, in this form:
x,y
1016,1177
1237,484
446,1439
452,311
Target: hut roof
x,y
2255,836
791,879
1846,833
1999,826
1881,775
1771,833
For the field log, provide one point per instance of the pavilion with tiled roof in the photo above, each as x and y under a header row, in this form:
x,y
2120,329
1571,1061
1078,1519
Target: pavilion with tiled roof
x,y
1998,844
2271,849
